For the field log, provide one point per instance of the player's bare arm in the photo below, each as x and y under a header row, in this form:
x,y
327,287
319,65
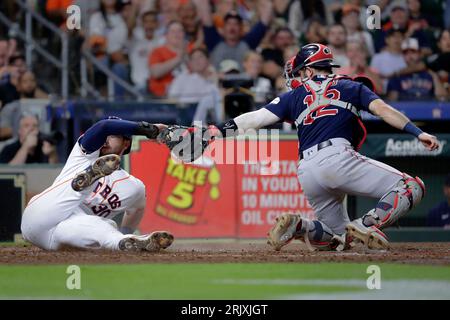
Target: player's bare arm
x,y
133,215
398,120
131,220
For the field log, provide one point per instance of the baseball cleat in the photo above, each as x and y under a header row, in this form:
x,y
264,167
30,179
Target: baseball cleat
x,y
341,242
101,167
371,237
283,231
152,242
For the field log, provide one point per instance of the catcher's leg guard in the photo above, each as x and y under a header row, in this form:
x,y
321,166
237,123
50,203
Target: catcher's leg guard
x,y
395,203
314,233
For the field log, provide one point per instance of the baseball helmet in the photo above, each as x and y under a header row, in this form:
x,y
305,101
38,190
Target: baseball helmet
x,y
312,55
125,136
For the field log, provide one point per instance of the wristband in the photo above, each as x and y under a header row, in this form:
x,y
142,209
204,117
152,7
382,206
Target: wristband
x,y
228,129
147,129
412,129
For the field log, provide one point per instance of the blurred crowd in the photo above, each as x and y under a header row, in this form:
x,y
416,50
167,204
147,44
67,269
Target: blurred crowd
x,y
151,43
201,51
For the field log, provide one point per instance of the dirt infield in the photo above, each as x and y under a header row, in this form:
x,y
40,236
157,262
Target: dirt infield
x,y
235,251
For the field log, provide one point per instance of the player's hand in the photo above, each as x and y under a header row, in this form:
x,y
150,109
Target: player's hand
x,y
430,142
265,9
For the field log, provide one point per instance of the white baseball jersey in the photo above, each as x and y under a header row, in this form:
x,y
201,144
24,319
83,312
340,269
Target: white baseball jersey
x,y
61,216
110,195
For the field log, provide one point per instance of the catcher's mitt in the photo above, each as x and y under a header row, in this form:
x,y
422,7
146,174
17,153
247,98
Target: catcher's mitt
x,y
186,143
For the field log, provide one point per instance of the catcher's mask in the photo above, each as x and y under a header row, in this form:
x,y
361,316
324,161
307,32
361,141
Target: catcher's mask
x,y
310,55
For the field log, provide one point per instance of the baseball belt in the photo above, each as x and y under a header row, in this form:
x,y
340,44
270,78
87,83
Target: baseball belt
x,y
320,146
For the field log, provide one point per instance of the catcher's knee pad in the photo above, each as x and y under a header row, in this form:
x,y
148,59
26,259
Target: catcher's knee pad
x,y
396,203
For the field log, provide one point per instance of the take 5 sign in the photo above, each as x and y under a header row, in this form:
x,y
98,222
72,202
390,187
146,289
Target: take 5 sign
x,y
216,200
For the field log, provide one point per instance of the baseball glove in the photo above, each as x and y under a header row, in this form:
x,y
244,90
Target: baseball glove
x,y
186,143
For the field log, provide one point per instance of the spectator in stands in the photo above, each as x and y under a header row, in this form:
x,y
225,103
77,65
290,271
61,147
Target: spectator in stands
x,y
352,24
129,11
232,45
299,14
187,13
168,12
273,57
399,19
440,62
357,54
3,52
108,38
390,59
416,16
17,60
337,39
10,113
29,148
434,9
8,75
422,85
27,87
439,216
222,7
56,10
198,85
168,60
315,32
262,88
142,43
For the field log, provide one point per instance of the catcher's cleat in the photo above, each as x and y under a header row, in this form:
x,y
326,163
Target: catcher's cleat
x,y
341,242
284,230
152,242
371,237
101,167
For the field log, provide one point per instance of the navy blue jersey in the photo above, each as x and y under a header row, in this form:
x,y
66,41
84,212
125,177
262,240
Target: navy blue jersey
x,y
439,216
413,86
329,121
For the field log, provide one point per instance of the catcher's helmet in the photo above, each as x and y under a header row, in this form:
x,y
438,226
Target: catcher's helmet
x,y
310,55
313,55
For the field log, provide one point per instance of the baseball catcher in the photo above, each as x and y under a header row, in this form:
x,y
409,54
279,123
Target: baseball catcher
x,y
325,108
77,209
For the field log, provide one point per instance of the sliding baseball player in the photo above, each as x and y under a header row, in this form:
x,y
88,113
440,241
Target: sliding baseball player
x,y
77,209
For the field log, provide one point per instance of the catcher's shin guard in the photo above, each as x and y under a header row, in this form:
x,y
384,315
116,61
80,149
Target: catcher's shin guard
x,y
395,203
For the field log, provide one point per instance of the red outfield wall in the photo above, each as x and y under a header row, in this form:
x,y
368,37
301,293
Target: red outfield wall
x,y
218,200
